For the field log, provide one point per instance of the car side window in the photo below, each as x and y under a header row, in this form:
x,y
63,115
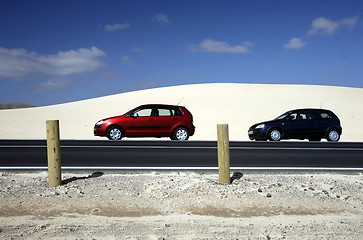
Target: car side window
x,y
144,112
177,112
325,115
164,112
300,116
304,116
293,116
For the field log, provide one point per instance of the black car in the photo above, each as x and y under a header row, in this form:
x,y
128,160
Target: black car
x,y
312,124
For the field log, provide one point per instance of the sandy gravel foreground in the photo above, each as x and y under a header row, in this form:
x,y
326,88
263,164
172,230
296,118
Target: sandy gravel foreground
x,y
182,205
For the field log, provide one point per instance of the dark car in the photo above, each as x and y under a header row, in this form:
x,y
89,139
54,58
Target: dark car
x,y
311,124
152,120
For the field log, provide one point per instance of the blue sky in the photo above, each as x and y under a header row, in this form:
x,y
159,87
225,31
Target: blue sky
x,y
62,51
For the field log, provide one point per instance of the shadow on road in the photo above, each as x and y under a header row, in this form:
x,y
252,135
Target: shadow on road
x,y
93,175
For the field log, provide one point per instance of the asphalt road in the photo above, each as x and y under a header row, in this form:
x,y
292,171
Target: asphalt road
x,y
29,154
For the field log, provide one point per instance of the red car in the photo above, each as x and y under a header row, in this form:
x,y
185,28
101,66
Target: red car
x,y
152,120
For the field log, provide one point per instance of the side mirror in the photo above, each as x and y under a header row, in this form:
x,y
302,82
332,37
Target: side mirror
x,y
291,118
133,115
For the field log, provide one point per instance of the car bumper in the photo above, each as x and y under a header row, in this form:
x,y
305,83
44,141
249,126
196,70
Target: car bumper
x,y
257,134
99,131
192,131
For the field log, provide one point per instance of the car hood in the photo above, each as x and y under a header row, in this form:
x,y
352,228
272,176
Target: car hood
x,y
109,118
266,123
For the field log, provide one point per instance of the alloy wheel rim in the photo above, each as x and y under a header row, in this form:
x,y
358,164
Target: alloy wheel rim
x,y
275,135
333,135
181,135
115,134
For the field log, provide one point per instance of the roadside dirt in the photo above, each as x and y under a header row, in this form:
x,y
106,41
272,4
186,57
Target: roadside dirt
x,y
182,205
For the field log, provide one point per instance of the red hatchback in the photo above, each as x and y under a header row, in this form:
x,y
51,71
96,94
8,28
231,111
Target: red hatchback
x,y
152,120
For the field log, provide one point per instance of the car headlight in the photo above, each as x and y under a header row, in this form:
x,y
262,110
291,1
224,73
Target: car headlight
x,y
260,126
100,122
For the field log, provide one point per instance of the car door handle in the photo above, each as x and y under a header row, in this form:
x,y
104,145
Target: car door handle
x,y
150,119
175,119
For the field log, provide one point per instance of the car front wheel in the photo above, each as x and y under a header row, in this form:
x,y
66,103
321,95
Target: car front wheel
x,y
181,134
332,136
274,135
114,133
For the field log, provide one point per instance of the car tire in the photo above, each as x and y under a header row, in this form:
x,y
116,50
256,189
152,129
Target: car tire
x,y
180,134
332,135
274,135
114,133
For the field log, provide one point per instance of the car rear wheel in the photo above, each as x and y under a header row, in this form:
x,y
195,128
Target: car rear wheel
x,y
274,135
114,133
332,136
181,134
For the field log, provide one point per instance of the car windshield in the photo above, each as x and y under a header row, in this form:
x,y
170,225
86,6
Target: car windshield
x,y
283,116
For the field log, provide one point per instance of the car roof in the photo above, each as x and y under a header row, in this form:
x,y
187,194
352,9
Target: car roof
x,y
310,109
160,105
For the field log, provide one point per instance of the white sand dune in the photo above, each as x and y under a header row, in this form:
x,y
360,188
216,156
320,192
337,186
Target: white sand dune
x,y
239,105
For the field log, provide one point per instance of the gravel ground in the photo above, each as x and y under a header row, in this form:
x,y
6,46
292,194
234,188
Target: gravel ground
x,y
182,205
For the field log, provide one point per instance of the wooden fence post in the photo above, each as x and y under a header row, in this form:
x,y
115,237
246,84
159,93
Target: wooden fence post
x,y
54,154
223,154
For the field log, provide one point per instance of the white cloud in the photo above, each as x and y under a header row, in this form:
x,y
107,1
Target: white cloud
x,y
53,85
210,45
326,26
349,22
126,60
161,18
138,50
295,43
322,26
116,27
15,64
108,75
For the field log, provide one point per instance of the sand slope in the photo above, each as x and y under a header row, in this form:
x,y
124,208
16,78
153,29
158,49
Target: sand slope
x,y
239,105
